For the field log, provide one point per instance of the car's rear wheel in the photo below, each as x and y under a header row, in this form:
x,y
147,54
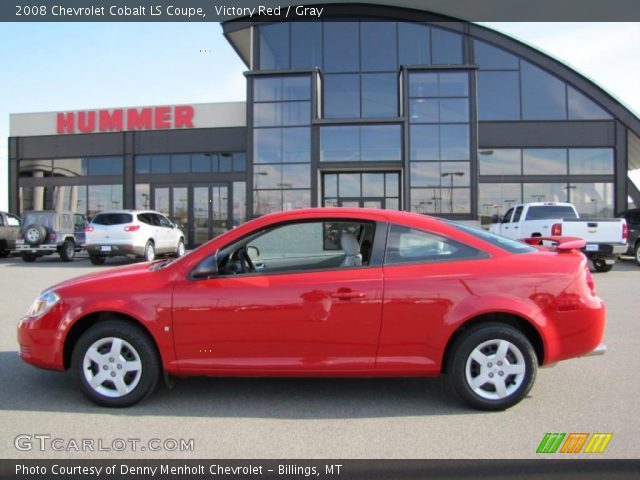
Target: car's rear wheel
x,y
115,364
493,366
180,249
97,259
29,257
636,253
601,266
68,251
149,251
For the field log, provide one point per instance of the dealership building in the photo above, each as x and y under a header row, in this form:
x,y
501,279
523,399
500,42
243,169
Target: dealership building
x,y
378,106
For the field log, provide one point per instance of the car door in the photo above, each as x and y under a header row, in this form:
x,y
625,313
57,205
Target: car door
x,y
505,224
301,309
167,233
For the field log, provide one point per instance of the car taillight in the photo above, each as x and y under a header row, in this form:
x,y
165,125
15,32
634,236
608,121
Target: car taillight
x,y
556,230
589,278
88,229
52,237
625,232
132,228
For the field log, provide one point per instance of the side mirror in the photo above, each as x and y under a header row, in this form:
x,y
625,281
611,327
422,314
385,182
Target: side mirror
x,y
495,218
206,269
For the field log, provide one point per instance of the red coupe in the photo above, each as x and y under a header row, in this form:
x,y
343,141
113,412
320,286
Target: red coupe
x,y
326,292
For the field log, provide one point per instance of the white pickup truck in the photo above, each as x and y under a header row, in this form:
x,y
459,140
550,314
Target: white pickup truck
x,y
606,238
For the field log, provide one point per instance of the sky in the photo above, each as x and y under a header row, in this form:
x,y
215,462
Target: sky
x,y
73,66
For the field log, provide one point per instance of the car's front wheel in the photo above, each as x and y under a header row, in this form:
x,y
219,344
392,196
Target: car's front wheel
x,y
115,364
180,249
493,366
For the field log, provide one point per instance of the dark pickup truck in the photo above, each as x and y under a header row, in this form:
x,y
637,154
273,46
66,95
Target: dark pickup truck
x,y
632,217
9,230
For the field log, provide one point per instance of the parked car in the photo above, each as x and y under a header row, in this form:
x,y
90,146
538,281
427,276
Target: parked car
x,y
606,239
142,234
46,232
632,218
9,230
326,292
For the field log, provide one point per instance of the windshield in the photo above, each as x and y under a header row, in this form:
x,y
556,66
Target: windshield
x,y
112,218
512,246
545,212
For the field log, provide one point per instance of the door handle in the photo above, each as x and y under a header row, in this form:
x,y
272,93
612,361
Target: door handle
x,y
348,295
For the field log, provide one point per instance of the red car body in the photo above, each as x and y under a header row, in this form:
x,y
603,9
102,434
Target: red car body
x,y
376,320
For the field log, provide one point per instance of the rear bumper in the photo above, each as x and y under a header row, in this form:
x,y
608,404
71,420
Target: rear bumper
x,y
603,250
115,250
37,249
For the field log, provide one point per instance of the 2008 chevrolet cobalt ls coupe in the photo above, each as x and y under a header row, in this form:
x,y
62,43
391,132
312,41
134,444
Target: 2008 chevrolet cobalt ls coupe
x,y
326,292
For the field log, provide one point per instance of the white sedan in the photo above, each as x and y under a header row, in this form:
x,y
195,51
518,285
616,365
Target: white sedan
x,y
132,233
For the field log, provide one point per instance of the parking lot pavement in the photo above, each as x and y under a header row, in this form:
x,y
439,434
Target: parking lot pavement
x,y
319,418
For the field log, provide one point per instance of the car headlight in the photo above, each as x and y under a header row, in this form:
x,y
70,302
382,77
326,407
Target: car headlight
x,y
43,304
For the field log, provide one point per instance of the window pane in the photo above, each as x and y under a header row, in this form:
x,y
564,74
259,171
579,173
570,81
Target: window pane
x,y
424,110
339,144
282,113
275,89
267,145
341,52
306,44
492,58
455,173
373,184
104,197
143,199
239,203
239,162
349,184
454,84
392,181
296,113
70,167
36,168
381,142
294,199
582,108
267,176
296,88
200,163
296,176
341,96
160,164
454,142
267,89
591,161
180,163
500,161
104,166
498,96
543,95
380,95
544,161
267,201
496,198
454,110
456,200
414,48
379,48
446,47
226,162
296,145
446,110
143,164
330,185
274,46
425,142
267,114
593,199
544,192
423,84
425,174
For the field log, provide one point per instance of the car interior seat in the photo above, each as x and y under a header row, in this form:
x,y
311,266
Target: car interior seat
x,y
349,243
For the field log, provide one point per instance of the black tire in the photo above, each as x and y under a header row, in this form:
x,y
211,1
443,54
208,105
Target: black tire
x,y
636,253
179,249
97,259
486,338
136,346
5,253
68,251
149,254
29,257
601,265
34,234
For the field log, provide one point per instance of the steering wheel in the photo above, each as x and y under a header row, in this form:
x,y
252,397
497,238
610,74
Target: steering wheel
x,y
244,254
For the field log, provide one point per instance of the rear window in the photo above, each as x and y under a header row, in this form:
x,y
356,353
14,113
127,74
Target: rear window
x,y
512,246
545,212
112,218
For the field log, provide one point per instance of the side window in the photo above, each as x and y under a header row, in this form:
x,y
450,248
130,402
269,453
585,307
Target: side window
x,y
516,216
13,221
408,245
507,216
634,218
164,222
66,223
297,247
145,218
78,221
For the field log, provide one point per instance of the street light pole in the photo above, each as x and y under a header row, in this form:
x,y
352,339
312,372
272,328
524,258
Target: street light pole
x,y
451,175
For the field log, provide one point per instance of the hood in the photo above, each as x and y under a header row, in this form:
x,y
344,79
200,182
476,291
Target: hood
x,y
123,275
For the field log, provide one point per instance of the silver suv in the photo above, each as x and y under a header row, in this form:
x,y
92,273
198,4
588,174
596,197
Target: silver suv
x,y
47,232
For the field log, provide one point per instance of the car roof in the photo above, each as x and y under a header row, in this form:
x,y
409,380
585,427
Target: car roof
x,y
133,212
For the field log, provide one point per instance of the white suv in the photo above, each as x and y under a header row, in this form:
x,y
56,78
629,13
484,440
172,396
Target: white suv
x,y
132,233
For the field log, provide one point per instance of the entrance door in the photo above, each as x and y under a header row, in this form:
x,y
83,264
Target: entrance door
x,y
201,211
361,189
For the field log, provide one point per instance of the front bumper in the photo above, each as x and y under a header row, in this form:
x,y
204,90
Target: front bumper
x,y
40,341
599,350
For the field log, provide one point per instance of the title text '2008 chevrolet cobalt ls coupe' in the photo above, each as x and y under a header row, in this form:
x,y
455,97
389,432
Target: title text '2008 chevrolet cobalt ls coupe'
x,y
326,292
